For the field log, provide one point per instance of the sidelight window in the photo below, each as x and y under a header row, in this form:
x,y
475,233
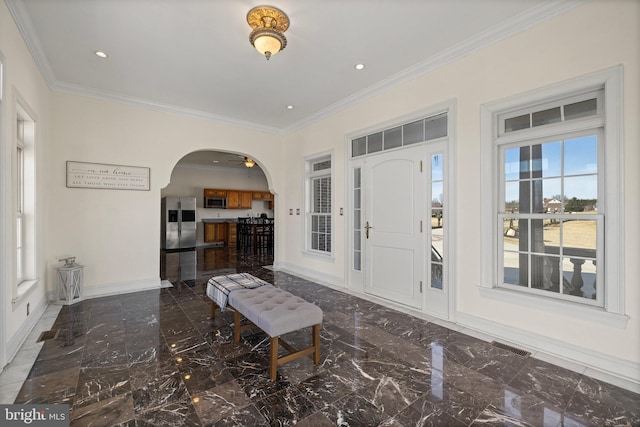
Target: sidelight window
x,y
357,219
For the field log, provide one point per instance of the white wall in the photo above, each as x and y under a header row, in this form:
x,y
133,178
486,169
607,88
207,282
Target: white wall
x,y
190,181
589,38
116,234
22,81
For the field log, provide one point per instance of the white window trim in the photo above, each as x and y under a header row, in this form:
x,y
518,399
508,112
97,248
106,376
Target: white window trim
x,y
308,162
355,278
20,246
611,79
29,280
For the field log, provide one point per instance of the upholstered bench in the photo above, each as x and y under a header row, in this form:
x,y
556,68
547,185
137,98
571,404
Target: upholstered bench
x,y
276,312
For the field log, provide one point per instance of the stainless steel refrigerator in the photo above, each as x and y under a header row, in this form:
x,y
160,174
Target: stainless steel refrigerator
x,y
178,235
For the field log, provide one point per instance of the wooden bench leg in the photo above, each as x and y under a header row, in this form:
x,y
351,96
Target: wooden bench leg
x,y
213,310
316,344
236,326
273,364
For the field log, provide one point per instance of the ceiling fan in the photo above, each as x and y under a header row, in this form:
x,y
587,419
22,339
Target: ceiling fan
x,y
246,161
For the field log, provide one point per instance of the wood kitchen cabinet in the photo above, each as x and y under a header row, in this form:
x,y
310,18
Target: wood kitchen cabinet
x,y
232,234
221,232
245,200
262,195
215,232
239,199
212,192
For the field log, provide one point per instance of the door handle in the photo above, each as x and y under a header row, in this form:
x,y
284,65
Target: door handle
x,y
367,227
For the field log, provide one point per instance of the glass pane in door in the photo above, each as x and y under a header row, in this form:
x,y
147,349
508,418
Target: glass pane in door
x,y
436,225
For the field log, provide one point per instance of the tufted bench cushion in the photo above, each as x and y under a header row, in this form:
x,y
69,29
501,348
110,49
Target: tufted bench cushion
x,y
271,309
275,311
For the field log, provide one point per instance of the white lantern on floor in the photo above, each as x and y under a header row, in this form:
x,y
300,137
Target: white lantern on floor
x,y
69,282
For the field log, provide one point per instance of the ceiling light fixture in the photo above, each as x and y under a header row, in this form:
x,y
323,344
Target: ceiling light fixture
x,y
101,54
359,66
269,24
248,162
289,107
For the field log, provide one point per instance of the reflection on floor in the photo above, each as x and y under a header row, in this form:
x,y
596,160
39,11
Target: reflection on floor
x,y
154,358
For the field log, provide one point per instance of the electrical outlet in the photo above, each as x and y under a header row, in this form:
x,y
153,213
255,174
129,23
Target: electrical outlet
x,y
28,308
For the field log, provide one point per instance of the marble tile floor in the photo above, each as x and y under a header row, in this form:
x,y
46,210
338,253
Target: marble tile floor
x,y
155,358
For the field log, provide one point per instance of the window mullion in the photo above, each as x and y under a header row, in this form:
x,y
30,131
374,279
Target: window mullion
x,y
540,173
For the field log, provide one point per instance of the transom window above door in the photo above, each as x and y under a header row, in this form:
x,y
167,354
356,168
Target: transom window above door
x,y
425,129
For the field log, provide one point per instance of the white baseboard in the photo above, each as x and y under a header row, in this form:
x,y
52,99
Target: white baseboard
x,y
610,369
16,341
313,275
338,284
623,373
121,288
116,288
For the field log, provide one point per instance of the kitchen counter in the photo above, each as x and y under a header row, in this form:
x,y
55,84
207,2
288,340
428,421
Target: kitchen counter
x,y
219,220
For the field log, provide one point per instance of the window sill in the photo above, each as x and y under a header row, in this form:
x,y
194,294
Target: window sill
x,y
23,290
320,255
593,314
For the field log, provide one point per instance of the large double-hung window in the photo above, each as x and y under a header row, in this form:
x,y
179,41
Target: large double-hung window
x,y
552,166
24,201
549,216
20,190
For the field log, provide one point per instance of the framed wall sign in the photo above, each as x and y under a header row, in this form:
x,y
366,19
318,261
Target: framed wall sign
x,y
114,177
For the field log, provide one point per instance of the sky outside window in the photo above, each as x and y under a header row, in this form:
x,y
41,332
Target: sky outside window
x,y
572,163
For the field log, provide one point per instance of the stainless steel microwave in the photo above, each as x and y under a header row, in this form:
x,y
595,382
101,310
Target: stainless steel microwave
x,y
215,202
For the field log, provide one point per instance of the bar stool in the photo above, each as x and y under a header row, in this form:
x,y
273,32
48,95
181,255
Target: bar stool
x,y
245,233
264,234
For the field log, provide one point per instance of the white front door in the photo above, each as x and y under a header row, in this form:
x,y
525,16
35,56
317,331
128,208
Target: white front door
x,y
394,244
404,227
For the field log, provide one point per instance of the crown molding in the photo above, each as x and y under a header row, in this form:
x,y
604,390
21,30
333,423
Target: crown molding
x,y
504,30
27,30
160,107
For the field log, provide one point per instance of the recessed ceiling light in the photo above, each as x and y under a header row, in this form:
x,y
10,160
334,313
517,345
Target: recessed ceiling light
x,y
101,54
289,107
216,161
359,66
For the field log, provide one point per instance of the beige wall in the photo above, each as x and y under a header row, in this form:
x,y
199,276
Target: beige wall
x,y
570,45
22,81
115,234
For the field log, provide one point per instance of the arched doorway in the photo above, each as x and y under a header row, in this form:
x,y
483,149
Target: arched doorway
x,y
214,190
